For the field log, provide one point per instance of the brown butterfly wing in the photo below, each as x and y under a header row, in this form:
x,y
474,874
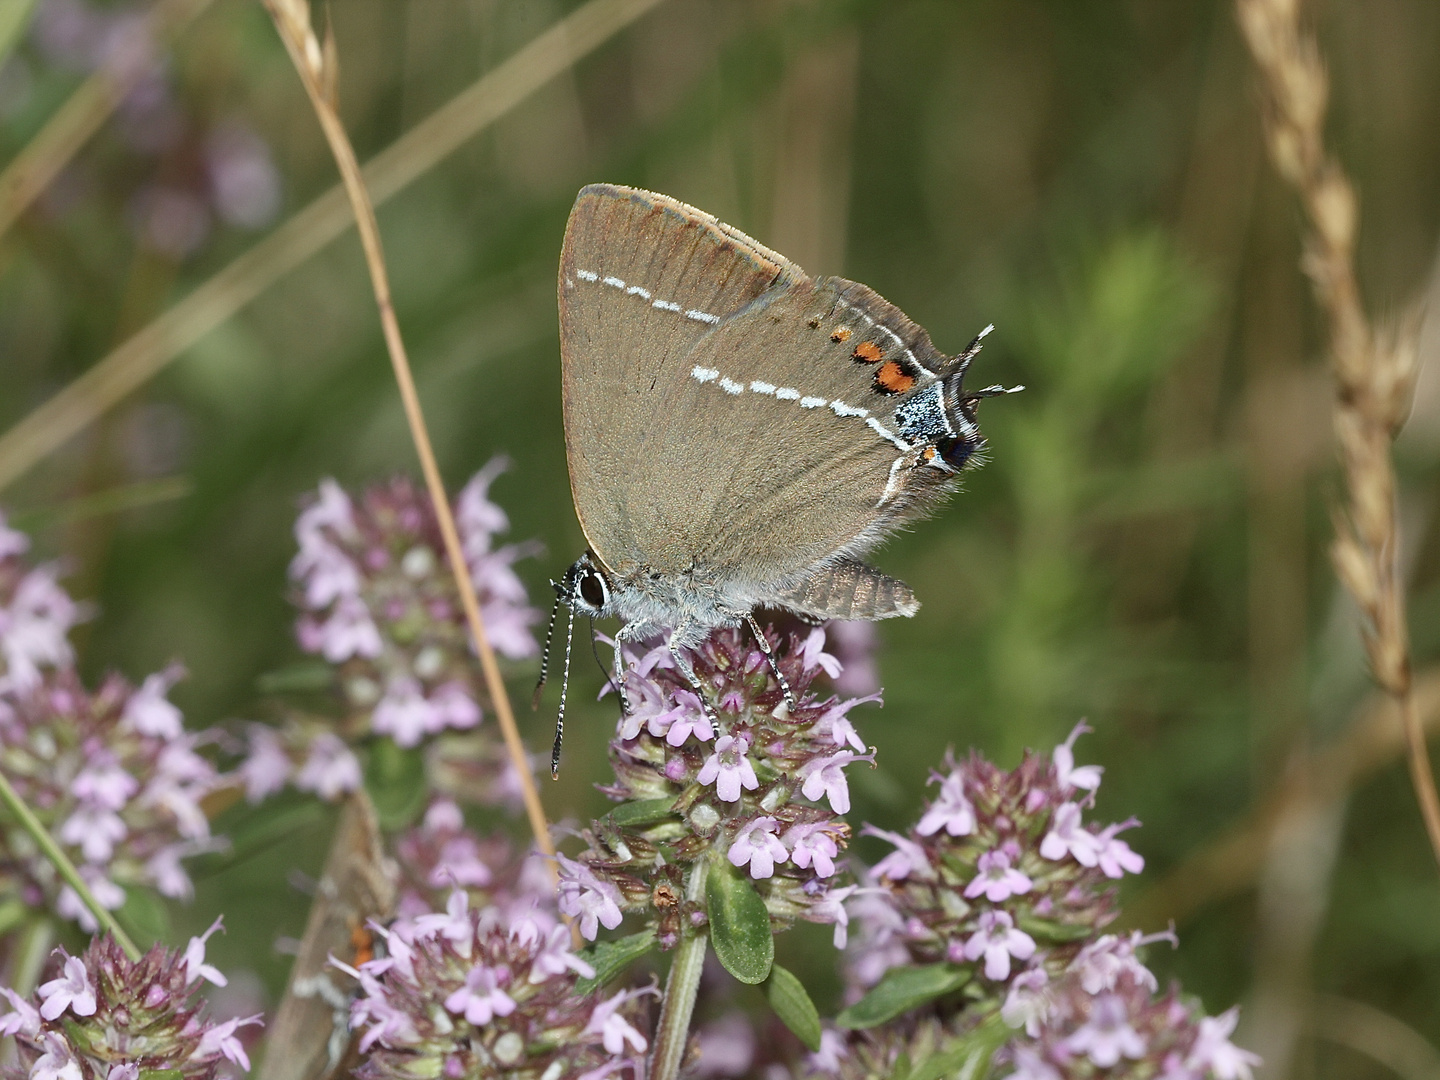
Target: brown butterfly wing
x,y
642,279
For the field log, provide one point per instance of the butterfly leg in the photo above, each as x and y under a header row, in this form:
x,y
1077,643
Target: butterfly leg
x,y
764,643
617,676
687,669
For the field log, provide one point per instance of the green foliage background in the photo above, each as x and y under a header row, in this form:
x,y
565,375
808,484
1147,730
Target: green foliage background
x,y
1146,547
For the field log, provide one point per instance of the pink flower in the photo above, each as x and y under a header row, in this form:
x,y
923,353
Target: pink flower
x,y
997,880
1101,963
404,714
195,965
11,541
57,1063
1107,1035
951,811
454,707
477,519
1028,1001
33,629
907,858
1067,836
826,776
95,831
1214,1052
757,844
555,957
1114,855
330,770
614,1030
149,713
103,783
71,991
221,1039
689,719
1030,1064
24,1019
812,844
267,766
831,909
998,940
813,655
481,999
348,632
729,769
835,724
1066,775
595,902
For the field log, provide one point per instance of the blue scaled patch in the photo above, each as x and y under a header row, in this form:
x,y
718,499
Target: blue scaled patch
x,y
921,418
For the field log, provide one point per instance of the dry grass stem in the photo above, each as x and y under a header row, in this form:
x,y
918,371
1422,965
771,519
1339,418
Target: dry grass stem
x,y
31,171
147,352
316,64
1374,371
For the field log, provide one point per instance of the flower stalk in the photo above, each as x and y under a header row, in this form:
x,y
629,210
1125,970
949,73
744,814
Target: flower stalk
x,y
63,866
681,988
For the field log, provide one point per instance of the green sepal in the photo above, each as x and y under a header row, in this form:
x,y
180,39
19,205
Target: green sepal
x,y
610,958
645,812
968,1057
1049,930
787,996
739,923
903,989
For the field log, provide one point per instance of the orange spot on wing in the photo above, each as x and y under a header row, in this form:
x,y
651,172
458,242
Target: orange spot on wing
x,y
843,334
892,378
362,944
867,352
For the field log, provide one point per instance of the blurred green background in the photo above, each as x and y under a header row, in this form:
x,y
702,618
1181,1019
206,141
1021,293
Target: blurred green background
x,y
1146,547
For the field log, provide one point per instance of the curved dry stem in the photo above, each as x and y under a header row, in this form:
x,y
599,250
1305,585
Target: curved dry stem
x,y
1374,373
147,352
316,66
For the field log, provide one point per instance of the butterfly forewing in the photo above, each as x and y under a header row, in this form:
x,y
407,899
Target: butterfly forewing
x,y
642,278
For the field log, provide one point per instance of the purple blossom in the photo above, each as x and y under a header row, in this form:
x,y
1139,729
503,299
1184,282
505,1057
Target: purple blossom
x,y
813,655
1114,855
195,966
404,714
267,766
1107,1035
481,999
104,783
1067,776
149,713
221,1041
1068,836
1030,1064
1213,1051
758,845
12,542
1102,963
908,858
813,844
951,811
33,629
585,896
95,831
826,776
57,1062
831,909
72,990
610,1024
23,1019
555,956
729,769
837,725
996,879
1028,1000
997,940
331,769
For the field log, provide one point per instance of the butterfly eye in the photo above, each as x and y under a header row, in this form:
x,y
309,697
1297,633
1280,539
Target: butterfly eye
x,y
593,591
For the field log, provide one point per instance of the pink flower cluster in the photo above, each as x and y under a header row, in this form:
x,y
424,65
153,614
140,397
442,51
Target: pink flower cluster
x,y
103,1016
486,993
766,787
113,775
994,853
378,602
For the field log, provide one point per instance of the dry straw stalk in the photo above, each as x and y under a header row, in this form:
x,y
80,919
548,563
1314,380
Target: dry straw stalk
x,y
1374,370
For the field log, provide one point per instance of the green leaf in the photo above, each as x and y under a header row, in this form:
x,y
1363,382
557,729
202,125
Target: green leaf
x,y
306,676
1049,930
968,1057
610,958
395,779
792,1004
644,812
739,923
903,989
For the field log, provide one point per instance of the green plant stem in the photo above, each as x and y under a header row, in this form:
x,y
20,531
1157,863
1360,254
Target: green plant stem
x,y
680,989
63,866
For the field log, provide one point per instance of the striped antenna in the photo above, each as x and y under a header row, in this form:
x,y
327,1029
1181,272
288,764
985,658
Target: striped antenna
x,y
564,687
